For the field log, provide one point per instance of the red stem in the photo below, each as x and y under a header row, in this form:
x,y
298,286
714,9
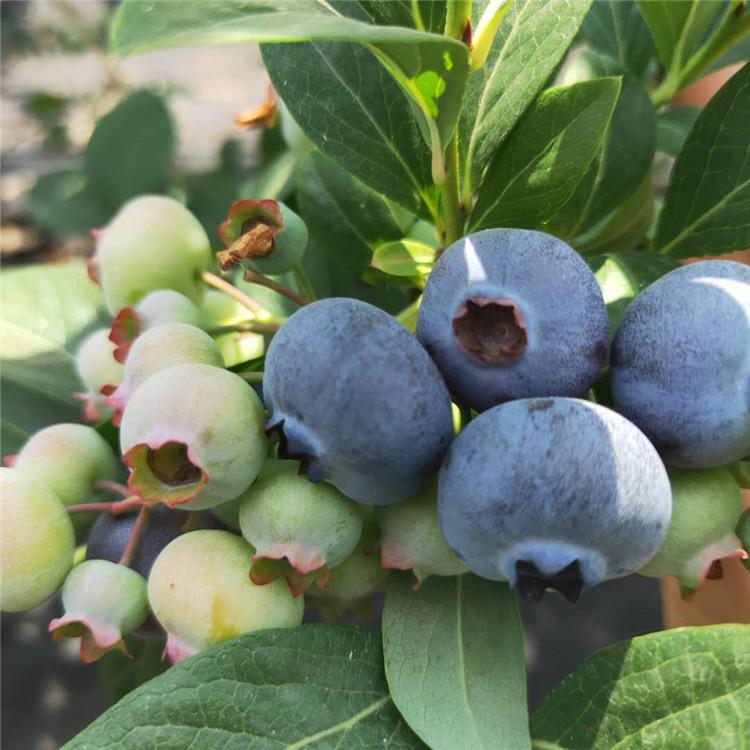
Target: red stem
x,y
135,534
116,487
259,278
232,291
120,506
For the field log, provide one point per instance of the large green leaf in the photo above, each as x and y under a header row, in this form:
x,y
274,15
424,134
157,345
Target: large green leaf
x,y
431,68
627,153
130,150
351,108
37,380
454,661
615,28
708,199
539,166
65,202
672,128
686,689
679,27
427,15
344,216
530,42
56,301
315,686
45,308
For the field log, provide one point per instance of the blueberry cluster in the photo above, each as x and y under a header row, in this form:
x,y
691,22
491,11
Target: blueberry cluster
x,y
471,446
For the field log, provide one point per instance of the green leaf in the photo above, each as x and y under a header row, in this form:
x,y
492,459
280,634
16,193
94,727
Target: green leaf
x,y
56,301
65,203
679,27
454,661
120,674
45,308
627,153
404,258
530,42
351,108
672,128
130,150
431,68
615,28
539,166
685,689
431,15
345,217
315,686
707,202
623,276
37,380
626,227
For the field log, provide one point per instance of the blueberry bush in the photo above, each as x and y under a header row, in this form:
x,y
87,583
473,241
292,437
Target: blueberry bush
x,y
436,351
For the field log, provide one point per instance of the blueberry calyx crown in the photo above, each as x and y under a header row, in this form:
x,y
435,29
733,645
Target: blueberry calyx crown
x,y
490,330
532,583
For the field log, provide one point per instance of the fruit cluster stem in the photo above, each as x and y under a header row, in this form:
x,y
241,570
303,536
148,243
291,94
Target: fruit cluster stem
x,y
259,278
232,291
115,508
135,534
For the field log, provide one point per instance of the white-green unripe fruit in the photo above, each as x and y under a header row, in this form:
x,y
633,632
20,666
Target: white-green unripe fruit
x,y
103,601
152,243
706,508
200,592
411,538
36,541
283,515
167,306
97,368
193,436
352,584
155,309
159,348
69,458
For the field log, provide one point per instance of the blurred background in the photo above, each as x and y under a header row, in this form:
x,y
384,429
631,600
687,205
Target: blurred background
x,y
81,133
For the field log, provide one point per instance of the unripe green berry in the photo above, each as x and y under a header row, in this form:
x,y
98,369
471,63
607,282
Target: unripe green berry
x,y
411,538
152,243
312,526
159,348
69,459
193,436
706,507
103,601
97,369
155,309
353,583
36,541
264,235
200,592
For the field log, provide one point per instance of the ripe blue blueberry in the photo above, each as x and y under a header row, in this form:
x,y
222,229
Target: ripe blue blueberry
x,y
512,313
553,493
680,364
357,400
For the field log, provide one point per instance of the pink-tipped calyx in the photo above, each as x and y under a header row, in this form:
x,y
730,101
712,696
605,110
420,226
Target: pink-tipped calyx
x,y
97,638
165,472
125,329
